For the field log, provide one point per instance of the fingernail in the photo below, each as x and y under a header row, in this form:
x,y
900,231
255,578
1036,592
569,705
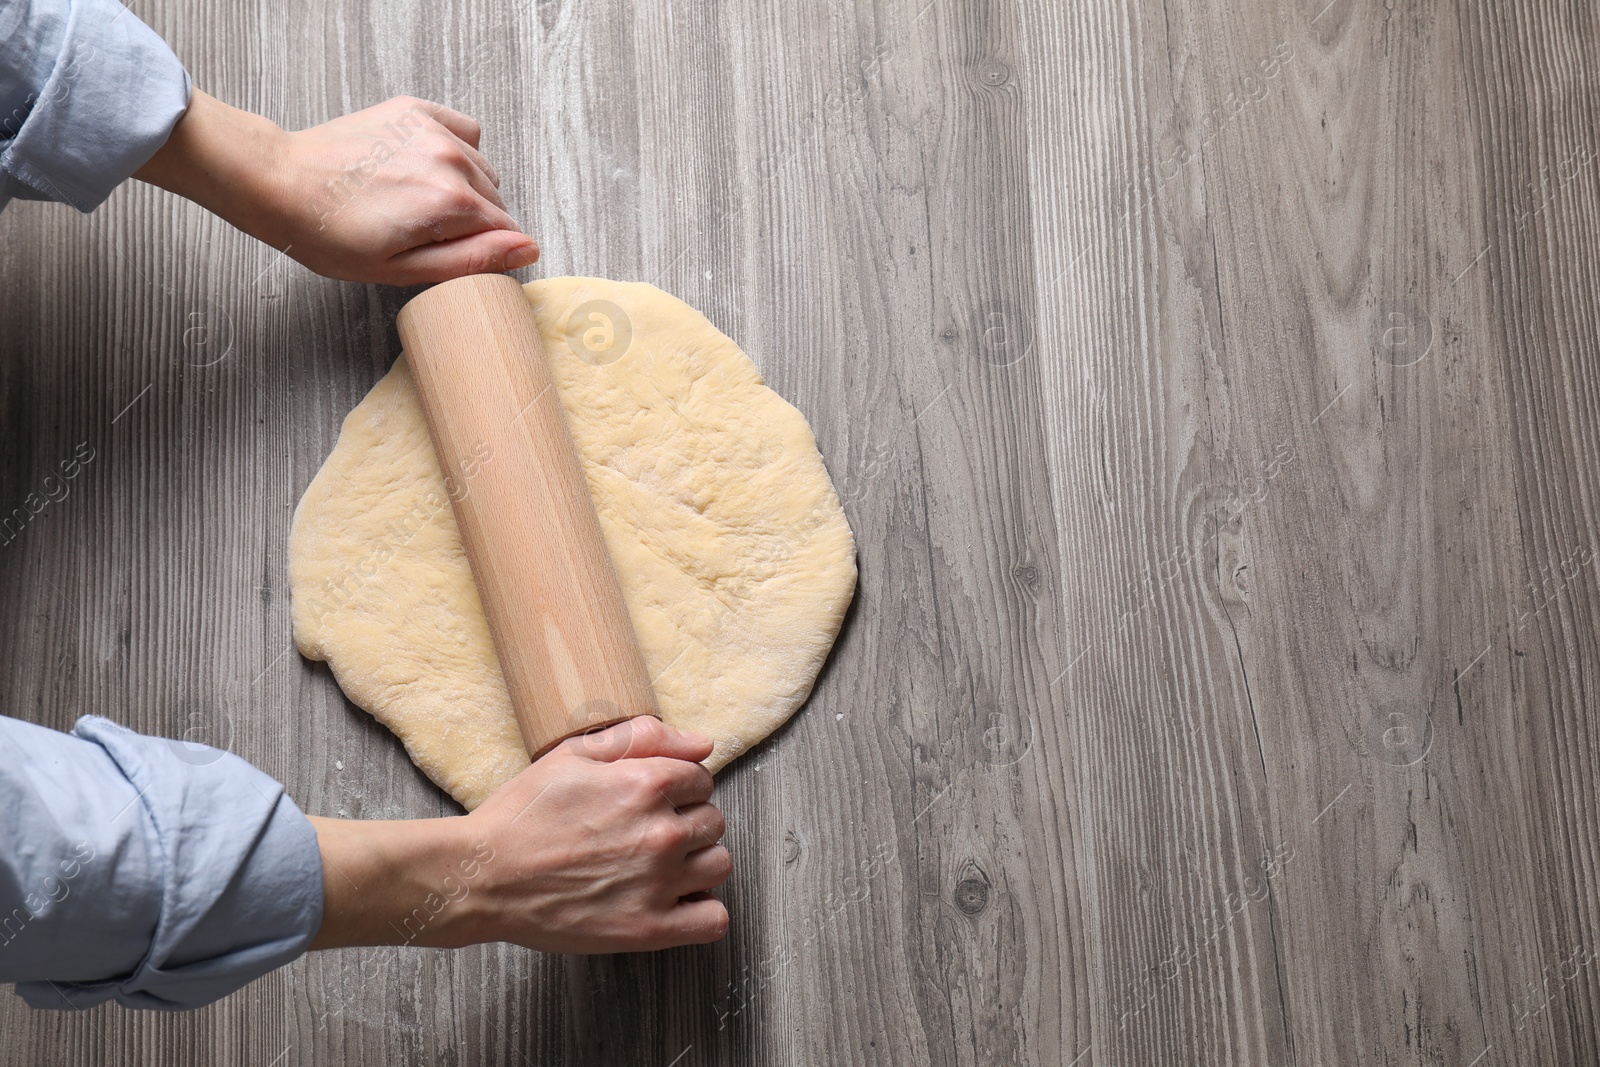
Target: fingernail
x,y
522,257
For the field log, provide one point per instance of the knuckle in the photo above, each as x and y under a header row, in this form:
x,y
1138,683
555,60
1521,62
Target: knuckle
x,y
441,192
721,864
454,196
642,782
651,775
593,742
442,149
663,836
709,825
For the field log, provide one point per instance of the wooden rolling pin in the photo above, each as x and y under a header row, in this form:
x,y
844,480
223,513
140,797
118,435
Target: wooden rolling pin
x,y
549,588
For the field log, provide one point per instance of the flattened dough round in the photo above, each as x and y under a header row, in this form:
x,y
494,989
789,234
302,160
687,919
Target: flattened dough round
x,y
736,560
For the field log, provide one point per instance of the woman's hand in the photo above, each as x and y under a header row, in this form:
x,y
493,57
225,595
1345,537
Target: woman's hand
x,y
398,193
606,844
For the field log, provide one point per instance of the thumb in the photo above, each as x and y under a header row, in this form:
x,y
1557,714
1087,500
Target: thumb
x,y
488,252
640,738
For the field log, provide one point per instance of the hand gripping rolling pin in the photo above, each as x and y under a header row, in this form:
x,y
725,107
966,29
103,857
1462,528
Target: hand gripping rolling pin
x,y
549,588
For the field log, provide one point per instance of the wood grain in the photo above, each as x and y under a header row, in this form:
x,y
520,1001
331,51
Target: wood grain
x,y
1212,389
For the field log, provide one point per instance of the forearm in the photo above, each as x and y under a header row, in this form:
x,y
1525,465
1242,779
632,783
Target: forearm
x,y
223,159
398,883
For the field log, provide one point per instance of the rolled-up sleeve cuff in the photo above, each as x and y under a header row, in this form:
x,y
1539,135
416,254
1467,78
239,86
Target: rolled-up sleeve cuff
x,y
110,101
236,876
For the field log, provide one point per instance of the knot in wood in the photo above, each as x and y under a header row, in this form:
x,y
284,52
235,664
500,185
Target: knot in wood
x,y
972,895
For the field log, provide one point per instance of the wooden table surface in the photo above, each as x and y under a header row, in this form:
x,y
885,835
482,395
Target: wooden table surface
x,y
1212,390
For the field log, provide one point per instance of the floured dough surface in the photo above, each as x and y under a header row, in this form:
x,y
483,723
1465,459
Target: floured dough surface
x,y
735,557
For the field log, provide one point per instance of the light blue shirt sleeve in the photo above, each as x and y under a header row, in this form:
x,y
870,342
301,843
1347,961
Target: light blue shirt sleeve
x,y
88,93
156,873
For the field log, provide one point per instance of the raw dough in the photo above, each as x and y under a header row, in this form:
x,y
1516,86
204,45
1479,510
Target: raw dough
x,y
735,557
